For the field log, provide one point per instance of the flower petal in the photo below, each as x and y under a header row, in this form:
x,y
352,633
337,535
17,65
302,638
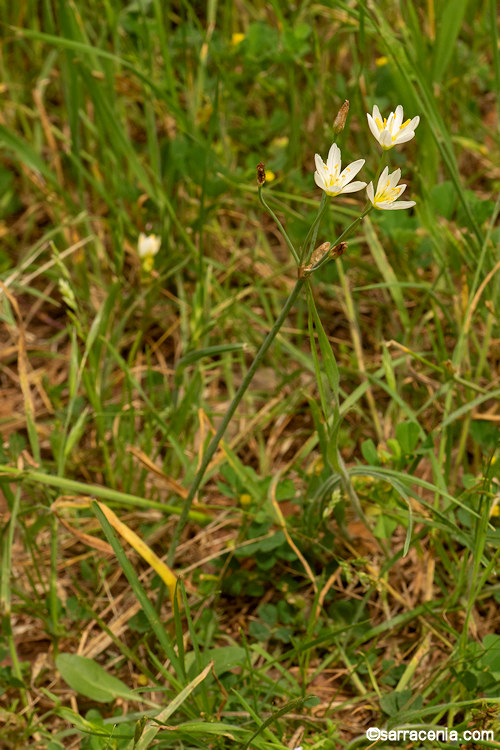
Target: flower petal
x,y
352,187
353,168
398,119
376,114
333,160
320,164
394,178
382,180
390,122
319,180
369,192
373,127
385,139
394,205
404,136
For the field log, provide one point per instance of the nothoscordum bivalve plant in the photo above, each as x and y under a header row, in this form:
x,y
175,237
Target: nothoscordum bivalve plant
x,y
391,131
388,191
309,259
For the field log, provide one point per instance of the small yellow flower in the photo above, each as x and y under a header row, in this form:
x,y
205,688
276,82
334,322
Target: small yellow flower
x,y
381,61
280,142
392,131
388,191
329,178
270,176
237,39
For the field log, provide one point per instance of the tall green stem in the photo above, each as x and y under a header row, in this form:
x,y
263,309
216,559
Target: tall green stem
x,y
228,416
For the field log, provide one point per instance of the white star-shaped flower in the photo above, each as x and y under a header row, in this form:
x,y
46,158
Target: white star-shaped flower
x,y
393,131
329,178
388,191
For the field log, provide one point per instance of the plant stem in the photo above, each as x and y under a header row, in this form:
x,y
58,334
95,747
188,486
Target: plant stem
x,y
248,377
228,416
326,257
310,240
280,227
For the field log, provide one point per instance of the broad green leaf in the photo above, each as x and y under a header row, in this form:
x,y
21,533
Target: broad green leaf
x,y
407,434
491,656
89,679
444,198
369,451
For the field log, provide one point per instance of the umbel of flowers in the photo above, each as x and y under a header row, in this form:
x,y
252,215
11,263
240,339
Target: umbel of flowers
x,y
389,132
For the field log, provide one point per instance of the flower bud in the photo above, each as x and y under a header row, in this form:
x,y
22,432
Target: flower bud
x,y
261,174
339,123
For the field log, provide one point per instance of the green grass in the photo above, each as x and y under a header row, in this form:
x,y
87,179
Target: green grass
x,y
337,545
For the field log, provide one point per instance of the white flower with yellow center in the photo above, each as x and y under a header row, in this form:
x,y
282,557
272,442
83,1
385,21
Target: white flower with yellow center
x,y
148,245
388,191
392,131
147,248
329,178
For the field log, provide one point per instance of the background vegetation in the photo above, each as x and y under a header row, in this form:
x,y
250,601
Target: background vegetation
x,y
301,622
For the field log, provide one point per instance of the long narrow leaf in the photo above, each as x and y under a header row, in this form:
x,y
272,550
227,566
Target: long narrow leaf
x,y
148,609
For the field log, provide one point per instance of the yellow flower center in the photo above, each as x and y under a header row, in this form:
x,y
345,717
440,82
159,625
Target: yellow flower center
x,y
387,195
